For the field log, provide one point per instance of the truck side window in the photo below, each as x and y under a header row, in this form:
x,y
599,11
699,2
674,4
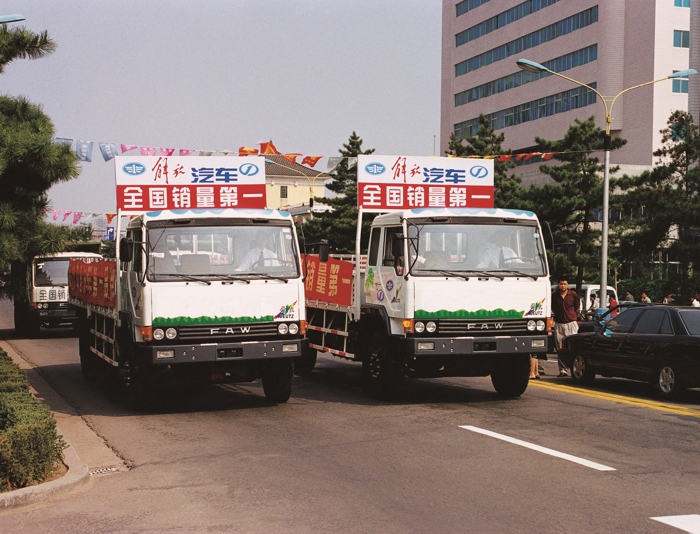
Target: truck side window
x,y
389,234
138,249
374,246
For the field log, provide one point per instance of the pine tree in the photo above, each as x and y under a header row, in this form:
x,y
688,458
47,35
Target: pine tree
x,y
339,226
507,190
568,208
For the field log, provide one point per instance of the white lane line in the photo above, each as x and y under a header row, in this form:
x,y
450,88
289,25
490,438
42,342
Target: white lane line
x,y
689,523
545,450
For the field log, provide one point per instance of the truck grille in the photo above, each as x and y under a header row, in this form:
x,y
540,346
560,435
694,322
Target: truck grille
x,y
482,328
227,331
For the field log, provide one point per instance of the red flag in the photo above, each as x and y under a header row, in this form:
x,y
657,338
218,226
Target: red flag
x,y
505,158
311,161
519,157
548,155
532,155
268,148
292,156
247,151
110,217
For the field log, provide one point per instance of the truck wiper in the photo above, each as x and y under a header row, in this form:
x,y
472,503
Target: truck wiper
x,y
448,273
188,277
487,274
518,273
234,277
270,277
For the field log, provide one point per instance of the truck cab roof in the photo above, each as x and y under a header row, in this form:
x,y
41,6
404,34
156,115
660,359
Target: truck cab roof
x,y
394,218
170,215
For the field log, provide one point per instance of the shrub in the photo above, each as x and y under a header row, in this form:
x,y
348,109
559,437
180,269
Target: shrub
x,y
29,443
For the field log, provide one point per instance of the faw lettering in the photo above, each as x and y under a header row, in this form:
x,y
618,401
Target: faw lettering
x,y
229,330
245,329
484,326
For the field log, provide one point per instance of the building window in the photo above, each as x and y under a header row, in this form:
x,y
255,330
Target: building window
x,y
530,111
680,85
681,39
467,5
283,191
681,3
498,21
531,40
560,64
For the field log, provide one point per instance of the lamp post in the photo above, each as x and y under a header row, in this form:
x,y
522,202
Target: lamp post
x,y
608,102
5,19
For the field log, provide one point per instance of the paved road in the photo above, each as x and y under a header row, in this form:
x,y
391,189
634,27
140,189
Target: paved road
x,y
221,459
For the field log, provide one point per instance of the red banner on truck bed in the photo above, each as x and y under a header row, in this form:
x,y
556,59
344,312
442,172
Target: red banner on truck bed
x,y
329,281
93,282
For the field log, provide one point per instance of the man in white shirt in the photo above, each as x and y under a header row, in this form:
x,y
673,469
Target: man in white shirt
x,y
497,253
259,255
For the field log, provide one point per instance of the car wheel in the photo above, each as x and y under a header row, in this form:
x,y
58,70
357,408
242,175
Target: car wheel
x,y
666,382
581,372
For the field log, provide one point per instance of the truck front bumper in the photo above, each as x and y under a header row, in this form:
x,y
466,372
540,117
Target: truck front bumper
x,y
61,315
482,346
227,352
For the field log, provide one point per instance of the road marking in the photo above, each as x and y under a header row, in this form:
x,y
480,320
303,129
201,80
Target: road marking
x,y
538,448
689,523
642,403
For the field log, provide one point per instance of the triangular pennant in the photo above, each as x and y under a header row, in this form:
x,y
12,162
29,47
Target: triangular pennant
x,y
84,150
66,214
76,216
109,150
351,163
126,148
333,162
167,151
247,151
110,217
506,157
205,153
185,151
148,151
268,148
292,156
532,155
55,214
64,141
548,155
311,161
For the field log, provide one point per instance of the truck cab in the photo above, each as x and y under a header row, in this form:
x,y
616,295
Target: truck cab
x,y
46,296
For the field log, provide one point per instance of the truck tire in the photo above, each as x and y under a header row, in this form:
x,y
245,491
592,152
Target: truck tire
x,y
33,326
304,364
511,378
383,374
277,381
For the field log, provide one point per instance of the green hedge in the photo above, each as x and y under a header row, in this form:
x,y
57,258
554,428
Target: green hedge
x,y
29,443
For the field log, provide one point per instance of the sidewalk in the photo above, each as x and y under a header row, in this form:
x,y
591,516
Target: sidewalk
x,y
95,456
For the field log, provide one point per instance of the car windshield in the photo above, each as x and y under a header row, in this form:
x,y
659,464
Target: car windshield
x,y
221,252
51,272
476,249
691,319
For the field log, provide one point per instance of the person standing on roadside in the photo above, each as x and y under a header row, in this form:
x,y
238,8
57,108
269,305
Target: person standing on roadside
x,y
629,297
565,305
645,298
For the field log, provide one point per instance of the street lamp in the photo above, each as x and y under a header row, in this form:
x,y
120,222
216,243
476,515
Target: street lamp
x,y
608,102
5,19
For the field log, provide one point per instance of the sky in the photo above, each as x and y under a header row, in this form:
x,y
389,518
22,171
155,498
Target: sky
x,y
220,74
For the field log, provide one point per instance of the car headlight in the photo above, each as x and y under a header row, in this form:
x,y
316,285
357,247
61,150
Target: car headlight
x,y
431,327
293,328
531,325
158,334
282,329
171,333
541,325
419,327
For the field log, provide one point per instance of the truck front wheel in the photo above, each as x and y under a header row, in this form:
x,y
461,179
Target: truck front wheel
x,y
510,379
382,372
277,380
20,320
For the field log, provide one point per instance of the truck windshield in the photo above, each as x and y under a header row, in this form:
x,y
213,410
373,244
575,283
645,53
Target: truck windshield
x,y
225,252
51,272
478,249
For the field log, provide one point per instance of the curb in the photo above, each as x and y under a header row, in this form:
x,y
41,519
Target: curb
x,y
77,474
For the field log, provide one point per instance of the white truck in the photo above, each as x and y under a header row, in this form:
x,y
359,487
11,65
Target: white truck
x,y
44,300
442,292
211,294
206,282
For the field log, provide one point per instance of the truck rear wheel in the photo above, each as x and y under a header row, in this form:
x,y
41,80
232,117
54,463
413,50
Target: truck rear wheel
x,y
510,379
304,364
383,374
277,380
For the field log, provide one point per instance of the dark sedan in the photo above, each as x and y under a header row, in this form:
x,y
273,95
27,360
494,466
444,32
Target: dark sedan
x,y
603,315
655,344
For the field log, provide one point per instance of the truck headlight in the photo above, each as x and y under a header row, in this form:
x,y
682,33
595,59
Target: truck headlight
x,y
158,334
171,333
531,325
541,325
282,328
419,327
431,327
293,329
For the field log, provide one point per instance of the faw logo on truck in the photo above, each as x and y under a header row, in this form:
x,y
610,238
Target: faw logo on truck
x,y
484,326
230,330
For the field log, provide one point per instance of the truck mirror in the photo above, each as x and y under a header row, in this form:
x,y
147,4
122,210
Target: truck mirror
x,y
323,250
126,248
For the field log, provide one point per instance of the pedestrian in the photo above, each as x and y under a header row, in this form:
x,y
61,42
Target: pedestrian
x,y
565,303
695,301
629,297
534,368
645,298
590,311
613,304
668,299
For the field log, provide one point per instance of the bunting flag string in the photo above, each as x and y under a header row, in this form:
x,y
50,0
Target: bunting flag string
x,y
110,150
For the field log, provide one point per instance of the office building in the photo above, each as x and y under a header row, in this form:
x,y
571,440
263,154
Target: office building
x,y
608,44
